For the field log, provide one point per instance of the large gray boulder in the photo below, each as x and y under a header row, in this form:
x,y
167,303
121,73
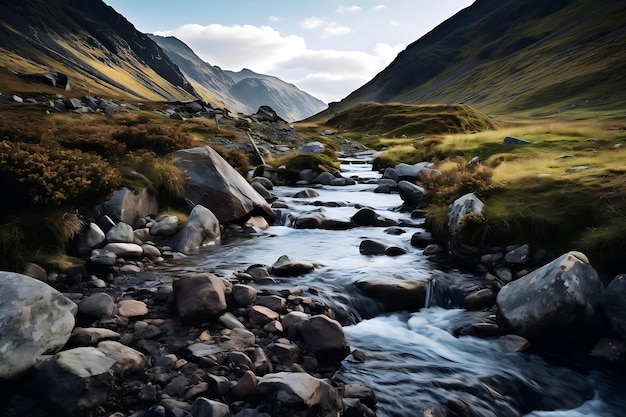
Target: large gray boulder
x,y
202,229
34,319
614,304
292,392
558,302
75,380
462,206
216,185
126,206
410,193
200,297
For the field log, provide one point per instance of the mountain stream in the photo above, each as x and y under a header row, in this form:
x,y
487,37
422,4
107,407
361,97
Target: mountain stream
x,y
414,360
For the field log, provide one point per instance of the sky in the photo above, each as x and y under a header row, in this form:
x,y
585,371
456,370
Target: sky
x,y
328,48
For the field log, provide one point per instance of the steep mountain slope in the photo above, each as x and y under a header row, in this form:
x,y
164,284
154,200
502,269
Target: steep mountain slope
x,y
243,91
541,57
97,48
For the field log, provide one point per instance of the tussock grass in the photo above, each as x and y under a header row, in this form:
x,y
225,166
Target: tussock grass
x,y
530,197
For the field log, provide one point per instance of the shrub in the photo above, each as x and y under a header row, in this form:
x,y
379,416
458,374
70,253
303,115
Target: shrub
x,y
156,138
158,174
457,179
236,157
36,175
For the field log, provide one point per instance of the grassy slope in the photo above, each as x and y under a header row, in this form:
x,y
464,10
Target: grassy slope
x,y
67,39
514,57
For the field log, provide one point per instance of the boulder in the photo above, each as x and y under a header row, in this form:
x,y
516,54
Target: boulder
x,y
324,337
244,295
165,226
216,185
519,255
462,206
396,295
512,141
75,380
409,172
127,359
297,391
120,233
200,297
410,193
203,407
263,192
126,206
558,302
287,267
202,228
260,316
34,319
371,247
422,239
614,304
91,237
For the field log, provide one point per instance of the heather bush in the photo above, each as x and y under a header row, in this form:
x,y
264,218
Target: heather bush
x,y
37,175
236,157
160,139
158,174
457,178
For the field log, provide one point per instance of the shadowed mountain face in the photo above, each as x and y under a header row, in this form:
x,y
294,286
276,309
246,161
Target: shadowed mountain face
x,y
99,50
539,56
243,91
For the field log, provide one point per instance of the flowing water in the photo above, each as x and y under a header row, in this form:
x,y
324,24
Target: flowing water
x,y
413,359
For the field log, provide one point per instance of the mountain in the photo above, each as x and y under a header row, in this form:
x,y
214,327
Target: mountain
x,y
244,91
97,48
513,56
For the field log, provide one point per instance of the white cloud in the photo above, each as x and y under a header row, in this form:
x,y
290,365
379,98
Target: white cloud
x,y
348,9
379,7
325,73
333,29
312,22
273,18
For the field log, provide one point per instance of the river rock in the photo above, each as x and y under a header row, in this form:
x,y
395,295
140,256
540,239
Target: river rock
x,y
324,178
273,302
127,360
34,319
203,407
310,220
410,193
202,228
120,233
324,337
306,193
132,308
368,217
390,173
126,206
371,247
263,192
409,172
287,267
479,299
124,250
200,297
611,349
519,255
229,321
462,206
260,316
297,391
265,182
91,237
90,336
396,295
165,226
244,294
216,185
96,306
422,239
614,304
386,186
558,302
75,380
312,148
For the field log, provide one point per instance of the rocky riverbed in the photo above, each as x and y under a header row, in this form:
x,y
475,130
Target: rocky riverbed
x,y
164,326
